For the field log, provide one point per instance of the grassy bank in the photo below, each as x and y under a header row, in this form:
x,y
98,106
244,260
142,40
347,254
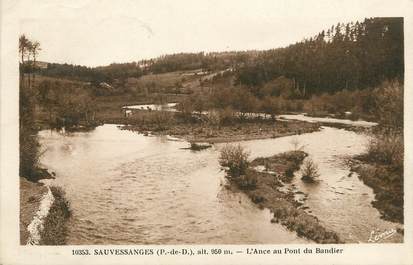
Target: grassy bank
x,y
264,189
387,187
55,223
381,168
31,194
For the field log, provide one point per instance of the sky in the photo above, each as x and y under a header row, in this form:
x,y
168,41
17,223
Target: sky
x,y
100,32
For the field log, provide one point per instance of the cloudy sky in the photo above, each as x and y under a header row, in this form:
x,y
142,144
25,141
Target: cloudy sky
x,y
99,32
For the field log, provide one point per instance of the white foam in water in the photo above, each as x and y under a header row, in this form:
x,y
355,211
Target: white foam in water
x,y
36,226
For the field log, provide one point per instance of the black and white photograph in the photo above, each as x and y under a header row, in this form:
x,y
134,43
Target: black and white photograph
x,y
207,123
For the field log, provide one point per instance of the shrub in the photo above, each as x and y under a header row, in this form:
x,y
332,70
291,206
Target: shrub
x,y
387,148
235,158
160,119
289,171
247,181
226,116
213,118
294,158
271,106
29,155
309,171
388,100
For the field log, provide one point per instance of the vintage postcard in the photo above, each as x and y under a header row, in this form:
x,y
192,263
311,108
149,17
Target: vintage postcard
x,y
206,132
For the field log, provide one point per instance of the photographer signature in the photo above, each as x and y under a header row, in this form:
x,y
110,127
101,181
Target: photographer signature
x,y
376,235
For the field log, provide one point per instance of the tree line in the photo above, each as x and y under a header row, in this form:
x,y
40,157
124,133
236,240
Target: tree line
x,y
345,56
162,64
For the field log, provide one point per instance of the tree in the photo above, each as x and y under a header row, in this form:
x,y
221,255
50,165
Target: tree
x,y
186,107
389,105
245,102
24,45
346,56
199,103
271,106
34,50
235,158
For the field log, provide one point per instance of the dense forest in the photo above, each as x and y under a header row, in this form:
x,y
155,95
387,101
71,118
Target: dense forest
x,y
346,56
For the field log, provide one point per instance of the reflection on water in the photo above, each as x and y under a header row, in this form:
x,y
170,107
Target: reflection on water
x,y
126,188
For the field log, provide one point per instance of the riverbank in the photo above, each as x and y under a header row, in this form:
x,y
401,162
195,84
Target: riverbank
x,y
242,131
39,205
55,224
31,194
381,167
266,191
387,185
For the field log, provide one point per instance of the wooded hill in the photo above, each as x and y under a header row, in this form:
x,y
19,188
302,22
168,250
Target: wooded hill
x,y
344,56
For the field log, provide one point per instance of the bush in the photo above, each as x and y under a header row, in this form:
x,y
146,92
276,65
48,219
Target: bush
x,y
186,108
247,181
388,100
29,156
226,116
289,171
213,118
387,148
309,171
235,158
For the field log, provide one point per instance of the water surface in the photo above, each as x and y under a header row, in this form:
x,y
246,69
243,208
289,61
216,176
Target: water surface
x,y
126,188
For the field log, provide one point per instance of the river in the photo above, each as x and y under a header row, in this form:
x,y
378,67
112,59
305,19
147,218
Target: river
x,y
126,188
